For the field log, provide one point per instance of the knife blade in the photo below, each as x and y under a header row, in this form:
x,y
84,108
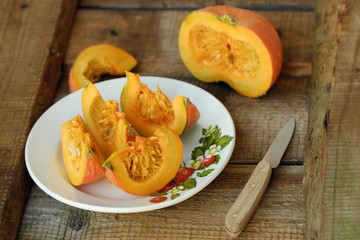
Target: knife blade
x,y
244,206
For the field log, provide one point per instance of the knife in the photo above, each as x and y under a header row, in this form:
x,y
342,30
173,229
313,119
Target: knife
x,y
251,195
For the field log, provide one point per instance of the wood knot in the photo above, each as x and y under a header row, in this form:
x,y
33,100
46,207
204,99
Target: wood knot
x,y
114,32
4,152
54,52
78,221
24,6
326,119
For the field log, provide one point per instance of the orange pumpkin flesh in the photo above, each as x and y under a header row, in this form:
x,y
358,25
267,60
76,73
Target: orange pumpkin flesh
x,y
98,60
147,110
180,115
237,46
146,165
108,125
81,155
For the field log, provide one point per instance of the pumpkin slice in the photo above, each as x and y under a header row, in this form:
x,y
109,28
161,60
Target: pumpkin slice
x,y
146,165
98,60
81,155
237,46
108,125
148,110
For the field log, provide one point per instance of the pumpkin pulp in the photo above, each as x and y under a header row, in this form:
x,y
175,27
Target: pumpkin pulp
x,y
148,110
81,154
146,165
217,50
108,125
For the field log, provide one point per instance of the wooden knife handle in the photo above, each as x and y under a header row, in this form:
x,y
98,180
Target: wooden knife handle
x,y
248,200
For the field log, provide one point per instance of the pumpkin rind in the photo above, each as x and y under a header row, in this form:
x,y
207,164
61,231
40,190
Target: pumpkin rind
x,y
237,46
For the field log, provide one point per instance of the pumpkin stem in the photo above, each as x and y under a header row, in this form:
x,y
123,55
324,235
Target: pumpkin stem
x,y
227,19
107,164
86,81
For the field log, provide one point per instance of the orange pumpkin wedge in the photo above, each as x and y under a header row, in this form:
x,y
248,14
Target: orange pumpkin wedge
x,y
146,165
148,110
81,155
98,60
237,46
108,125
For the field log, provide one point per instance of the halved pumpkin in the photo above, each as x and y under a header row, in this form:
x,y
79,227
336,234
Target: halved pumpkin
x,y
81,155
148,110
108,125
98,60
237,46
146,165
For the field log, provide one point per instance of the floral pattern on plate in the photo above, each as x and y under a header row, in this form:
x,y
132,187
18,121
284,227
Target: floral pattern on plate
x,y
200,165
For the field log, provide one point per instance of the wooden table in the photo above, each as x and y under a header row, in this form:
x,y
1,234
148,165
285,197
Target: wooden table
x,y
313,194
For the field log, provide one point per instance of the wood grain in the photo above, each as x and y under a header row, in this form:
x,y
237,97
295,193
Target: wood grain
x,y
332,159
279,216
160,28
278,5
32,50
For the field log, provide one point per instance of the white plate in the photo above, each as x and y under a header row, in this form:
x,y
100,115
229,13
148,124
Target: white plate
x,y
44,161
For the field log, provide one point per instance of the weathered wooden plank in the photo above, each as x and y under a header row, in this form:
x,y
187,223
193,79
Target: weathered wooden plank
x,y
128,29
32,50
280,215
280,5
332,159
